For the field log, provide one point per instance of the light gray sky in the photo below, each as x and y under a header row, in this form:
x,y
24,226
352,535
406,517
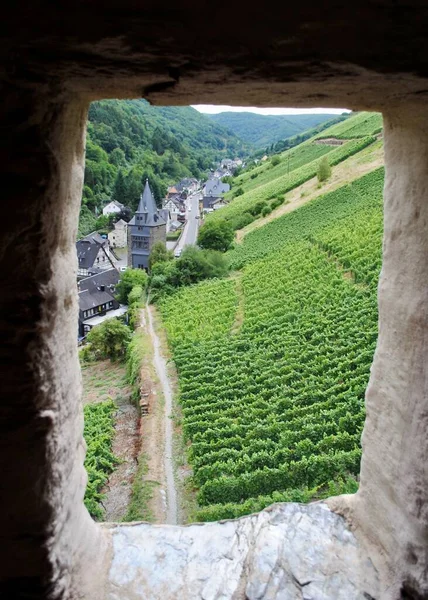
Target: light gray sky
x,y
213,109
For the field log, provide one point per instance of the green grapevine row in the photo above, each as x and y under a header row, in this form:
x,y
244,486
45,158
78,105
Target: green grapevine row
x,y
99,461
358,126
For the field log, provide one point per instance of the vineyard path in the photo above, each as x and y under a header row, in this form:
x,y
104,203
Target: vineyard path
x,y
159,363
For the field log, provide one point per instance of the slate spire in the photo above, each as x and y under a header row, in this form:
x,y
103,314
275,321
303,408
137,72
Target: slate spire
x,y
147,209
147,202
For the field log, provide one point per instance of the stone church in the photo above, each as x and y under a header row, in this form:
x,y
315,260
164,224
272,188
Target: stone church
x,y
145,229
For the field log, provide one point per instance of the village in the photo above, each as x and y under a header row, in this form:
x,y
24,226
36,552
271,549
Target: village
x,y
103,257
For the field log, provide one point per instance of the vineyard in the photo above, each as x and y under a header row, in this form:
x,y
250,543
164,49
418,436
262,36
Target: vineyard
x,y
286,182
291,160
358,126
273,406
99,461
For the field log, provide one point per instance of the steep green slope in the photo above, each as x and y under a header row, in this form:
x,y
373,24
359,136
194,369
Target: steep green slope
x,y
270,180
273,403
263,130
358,126
129,140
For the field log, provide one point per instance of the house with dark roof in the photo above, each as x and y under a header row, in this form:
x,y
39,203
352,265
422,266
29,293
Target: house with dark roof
x,y
96,299
215,187
210,203
93,253
145,229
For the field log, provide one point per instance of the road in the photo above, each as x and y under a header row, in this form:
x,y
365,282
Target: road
x,y
190,233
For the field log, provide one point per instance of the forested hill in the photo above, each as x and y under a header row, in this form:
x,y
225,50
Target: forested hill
x,y
130,140
263,130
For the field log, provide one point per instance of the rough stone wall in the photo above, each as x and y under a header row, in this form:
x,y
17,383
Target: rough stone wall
x,y
157,234
54,59
45,528
391,506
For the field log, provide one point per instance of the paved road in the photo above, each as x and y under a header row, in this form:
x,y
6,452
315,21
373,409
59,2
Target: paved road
x,y
190,233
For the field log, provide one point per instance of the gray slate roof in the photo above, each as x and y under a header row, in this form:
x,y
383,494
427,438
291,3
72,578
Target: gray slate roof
x,y
215,187
89,299
209,201
147,210
87,252
108,278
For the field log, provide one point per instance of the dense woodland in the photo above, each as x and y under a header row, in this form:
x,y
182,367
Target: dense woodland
x,y
261,131
128,141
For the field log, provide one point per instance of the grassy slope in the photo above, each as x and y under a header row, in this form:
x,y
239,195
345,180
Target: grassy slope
x,y
299,164
353,167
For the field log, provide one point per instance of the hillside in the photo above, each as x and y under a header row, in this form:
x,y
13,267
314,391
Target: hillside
x,y
263,130
274,361
264,186
130,140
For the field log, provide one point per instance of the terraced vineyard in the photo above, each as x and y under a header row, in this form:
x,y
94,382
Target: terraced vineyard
x,y
360,125
273,364
286,182
292,159
99,461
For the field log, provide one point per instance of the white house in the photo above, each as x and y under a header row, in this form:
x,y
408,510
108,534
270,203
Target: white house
x,y
117,237
113,207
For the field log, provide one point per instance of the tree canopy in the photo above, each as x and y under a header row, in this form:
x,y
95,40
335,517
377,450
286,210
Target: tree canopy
x,y
110,339
216,235
129,279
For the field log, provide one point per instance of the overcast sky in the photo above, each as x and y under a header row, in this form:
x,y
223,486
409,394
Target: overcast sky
x,y
213,109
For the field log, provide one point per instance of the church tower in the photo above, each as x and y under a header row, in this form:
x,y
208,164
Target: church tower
x,y
145,229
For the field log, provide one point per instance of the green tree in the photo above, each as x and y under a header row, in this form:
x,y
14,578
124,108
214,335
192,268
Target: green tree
x,y
324,169
216,235
119,190
135,296
129,279
117,157
195,265
110,339
275,160
159,253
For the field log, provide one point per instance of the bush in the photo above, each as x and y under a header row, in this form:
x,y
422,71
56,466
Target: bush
x,y
171,236
238,192
159,253
241,221
277,202
216,235
135,296
266,211
129,279
275,160
108,340
135,300
324,169
258,207
193,265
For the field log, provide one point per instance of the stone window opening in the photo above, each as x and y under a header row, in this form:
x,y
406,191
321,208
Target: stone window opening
x,y
52,547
